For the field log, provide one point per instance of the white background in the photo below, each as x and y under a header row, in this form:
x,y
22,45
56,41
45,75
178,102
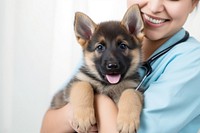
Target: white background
x,y
38,53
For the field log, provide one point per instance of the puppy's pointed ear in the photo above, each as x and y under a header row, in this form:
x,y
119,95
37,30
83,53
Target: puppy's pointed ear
x,y
133,22
84,28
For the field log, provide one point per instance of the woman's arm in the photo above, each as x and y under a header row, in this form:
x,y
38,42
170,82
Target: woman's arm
x,y
57,121
106,114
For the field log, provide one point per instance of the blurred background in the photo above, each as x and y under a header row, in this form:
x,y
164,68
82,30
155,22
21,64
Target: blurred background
x,y
39,53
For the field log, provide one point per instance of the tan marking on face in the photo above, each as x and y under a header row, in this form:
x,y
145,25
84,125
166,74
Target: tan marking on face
x,y
136,59
122,40
89,60
101,39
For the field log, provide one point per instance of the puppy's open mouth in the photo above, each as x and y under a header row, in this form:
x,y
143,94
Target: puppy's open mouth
x,y
113,78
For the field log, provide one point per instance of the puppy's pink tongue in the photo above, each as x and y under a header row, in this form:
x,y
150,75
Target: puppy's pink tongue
x,y
113,79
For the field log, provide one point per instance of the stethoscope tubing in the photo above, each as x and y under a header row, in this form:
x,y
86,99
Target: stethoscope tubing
x,y
147,64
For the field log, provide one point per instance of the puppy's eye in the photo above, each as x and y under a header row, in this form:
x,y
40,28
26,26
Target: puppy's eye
x,y
123,46
100,48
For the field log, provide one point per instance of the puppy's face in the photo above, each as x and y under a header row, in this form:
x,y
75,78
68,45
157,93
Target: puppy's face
x,y
111,49
114,51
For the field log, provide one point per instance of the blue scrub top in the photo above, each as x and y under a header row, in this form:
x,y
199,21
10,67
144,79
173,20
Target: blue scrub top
x,y
172,96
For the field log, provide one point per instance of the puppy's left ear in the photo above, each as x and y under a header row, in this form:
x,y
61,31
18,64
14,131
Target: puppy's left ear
x,y
84,28
133,22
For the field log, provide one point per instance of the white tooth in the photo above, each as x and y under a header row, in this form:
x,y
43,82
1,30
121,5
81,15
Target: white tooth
x,y
155,21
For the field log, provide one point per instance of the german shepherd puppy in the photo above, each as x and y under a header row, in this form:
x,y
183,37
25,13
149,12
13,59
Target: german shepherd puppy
x,y
111,58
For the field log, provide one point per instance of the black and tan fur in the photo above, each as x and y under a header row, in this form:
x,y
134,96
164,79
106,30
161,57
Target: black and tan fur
x,y
110,48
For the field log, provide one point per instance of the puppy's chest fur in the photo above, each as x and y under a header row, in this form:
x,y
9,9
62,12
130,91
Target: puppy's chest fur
x,y
113,91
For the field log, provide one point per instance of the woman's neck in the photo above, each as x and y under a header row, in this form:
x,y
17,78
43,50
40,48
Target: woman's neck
x,y
150,46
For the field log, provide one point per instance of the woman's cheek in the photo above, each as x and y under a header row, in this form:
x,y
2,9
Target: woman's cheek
x,y
139,2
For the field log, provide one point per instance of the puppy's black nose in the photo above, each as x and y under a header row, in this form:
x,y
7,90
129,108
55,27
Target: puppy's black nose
x,y
112,66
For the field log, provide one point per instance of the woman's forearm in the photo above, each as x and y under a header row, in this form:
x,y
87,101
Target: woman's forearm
x,y
106,113
56,121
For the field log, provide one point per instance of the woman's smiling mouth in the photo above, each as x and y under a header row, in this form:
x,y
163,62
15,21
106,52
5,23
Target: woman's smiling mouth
x,y
152,21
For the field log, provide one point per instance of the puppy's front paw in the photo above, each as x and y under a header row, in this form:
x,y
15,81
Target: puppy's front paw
x,y
84,119
127,122
128,118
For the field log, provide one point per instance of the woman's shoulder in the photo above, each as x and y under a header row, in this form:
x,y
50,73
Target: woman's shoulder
x,y
185,54
193,41
189,47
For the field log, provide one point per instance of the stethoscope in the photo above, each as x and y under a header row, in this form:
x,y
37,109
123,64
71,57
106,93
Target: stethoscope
x,y
147,64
